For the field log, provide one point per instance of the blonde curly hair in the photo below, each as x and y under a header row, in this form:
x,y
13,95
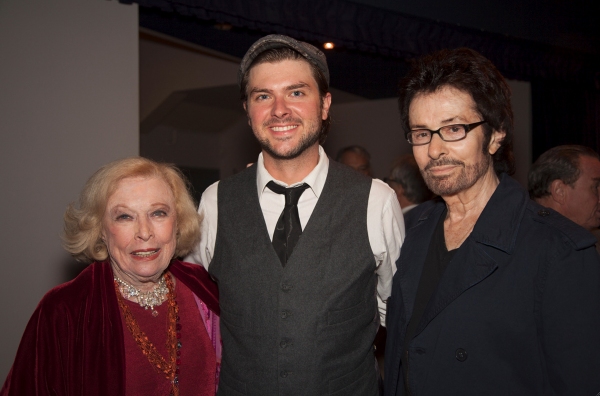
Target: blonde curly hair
x,y
83,222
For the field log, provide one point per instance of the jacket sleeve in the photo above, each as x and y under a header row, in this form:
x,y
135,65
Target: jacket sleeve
x,y
73,343
569,320
38,366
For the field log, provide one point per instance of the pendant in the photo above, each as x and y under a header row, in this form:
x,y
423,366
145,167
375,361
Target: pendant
x,y
154,313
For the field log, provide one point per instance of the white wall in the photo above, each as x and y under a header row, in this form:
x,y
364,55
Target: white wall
x,y
179,66
68,104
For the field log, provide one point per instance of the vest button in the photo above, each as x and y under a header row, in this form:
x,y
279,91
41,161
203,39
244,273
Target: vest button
x,y
461,355
283,374
285,342
285,314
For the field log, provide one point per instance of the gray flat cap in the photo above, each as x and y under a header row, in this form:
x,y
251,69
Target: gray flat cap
x,y
308,51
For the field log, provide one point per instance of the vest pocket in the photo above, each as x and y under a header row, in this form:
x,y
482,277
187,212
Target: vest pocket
x,y
348,320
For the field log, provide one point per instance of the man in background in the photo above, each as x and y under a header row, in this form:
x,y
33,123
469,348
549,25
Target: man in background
x,y
357,158
406,180
567,179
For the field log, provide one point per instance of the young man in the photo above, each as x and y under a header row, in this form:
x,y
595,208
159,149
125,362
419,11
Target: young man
x,y
299,289
494,294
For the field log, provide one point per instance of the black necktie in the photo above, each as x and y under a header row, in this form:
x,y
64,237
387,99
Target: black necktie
x,y
288,229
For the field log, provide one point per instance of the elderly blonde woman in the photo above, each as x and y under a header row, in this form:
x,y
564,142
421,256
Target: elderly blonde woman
x,y
136,321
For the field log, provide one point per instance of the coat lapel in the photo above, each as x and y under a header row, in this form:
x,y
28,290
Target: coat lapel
x,y
413,254
496,228
469,266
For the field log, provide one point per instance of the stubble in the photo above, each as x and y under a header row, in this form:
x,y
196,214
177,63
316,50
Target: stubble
x,y
452,184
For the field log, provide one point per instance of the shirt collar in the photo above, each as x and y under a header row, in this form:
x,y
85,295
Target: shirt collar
x,y
315,179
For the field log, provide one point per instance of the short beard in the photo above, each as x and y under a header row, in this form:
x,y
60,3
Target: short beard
x,y
305,143
451,185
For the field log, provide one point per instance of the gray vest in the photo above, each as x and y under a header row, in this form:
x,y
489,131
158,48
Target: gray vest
x,y
306,328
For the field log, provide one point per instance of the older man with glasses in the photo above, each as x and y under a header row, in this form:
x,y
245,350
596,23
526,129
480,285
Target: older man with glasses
x,y
494,294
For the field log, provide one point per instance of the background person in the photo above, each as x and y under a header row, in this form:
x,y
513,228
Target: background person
x,y
136,321
494,294
406,180
357,158
567,179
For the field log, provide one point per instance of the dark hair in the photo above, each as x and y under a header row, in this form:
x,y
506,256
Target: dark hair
x,y
468,71
560,162
406,173
276,55
354,149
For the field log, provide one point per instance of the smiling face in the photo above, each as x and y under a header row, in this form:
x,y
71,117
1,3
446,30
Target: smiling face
x,y
284,108
582,200
450,168
139,229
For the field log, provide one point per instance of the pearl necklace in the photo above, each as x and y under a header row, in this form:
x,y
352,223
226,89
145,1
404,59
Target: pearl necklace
x,y
150,299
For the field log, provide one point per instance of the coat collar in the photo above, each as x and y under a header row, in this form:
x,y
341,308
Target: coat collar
x,y
497,227
498,224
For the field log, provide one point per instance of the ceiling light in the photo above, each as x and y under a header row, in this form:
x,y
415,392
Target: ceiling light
x,y
223,26
328,45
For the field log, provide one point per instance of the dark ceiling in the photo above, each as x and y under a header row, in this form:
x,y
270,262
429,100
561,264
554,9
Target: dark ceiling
x,y
572,24
515,29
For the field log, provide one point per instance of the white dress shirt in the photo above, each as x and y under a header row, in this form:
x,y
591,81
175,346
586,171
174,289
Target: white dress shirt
x,y
385,224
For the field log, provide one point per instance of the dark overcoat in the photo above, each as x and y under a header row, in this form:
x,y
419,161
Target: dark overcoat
x,y
516,312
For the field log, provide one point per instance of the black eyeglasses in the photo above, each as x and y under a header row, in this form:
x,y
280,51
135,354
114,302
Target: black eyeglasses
x,y
448,133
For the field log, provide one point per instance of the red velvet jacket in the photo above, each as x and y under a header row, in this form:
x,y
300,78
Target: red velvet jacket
x,y
73,343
